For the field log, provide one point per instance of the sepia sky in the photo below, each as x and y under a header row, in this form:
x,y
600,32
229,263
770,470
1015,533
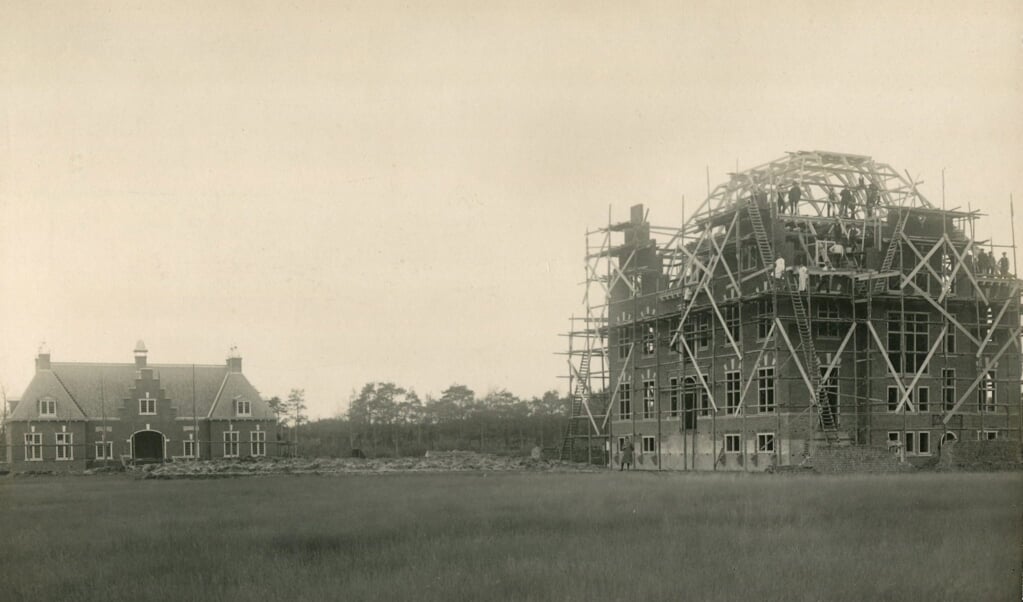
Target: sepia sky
x,y
384,191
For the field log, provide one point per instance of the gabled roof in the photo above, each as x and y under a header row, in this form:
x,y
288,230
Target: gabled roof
x,y
46,385
236,387
98,390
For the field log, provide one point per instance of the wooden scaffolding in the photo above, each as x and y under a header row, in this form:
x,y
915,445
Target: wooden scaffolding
x,y
819,298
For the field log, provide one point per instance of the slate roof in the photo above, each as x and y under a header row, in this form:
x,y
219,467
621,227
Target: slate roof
x,y
94,390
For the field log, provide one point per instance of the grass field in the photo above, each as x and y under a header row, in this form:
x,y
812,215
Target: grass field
x,y
614,536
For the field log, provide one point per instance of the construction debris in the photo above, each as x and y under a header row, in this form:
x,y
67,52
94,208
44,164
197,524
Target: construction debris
x,y
432,462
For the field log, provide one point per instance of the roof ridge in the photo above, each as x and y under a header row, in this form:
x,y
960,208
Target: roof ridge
x,y
131,365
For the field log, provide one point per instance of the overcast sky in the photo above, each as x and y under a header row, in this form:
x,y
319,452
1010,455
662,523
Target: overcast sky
x,y
393,192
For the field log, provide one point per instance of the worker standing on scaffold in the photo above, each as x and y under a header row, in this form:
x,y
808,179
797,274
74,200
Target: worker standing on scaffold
x,y
794,194
848,204
873,198
1003,265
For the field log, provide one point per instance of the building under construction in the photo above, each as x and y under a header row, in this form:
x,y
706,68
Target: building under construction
x,y
816,300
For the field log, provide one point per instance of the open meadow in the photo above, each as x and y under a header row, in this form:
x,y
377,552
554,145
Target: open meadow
x,y
479,536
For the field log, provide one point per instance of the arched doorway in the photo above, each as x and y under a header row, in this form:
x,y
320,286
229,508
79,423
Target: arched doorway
x,y
948,437
147,445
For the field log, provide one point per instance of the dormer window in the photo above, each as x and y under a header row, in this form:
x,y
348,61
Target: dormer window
x,y
242,407
147,406
47,407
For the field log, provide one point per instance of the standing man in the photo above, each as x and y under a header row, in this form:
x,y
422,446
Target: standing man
x,y
832,202
873,199
781,200
1003,265
847,209
627,454
794,194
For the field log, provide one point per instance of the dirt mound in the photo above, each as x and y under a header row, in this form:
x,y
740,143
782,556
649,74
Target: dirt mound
x,y
432,462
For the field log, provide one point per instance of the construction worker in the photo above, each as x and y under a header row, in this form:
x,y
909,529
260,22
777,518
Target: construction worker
x,y
873,199
781,201
627,454
848,204
794,194
832,202
983,262
1003,265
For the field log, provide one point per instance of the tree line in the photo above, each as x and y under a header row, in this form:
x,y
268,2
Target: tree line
x,y
387,420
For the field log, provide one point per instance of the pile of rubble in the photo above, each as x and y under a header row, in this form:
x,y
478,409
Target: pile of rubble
x,y
432,462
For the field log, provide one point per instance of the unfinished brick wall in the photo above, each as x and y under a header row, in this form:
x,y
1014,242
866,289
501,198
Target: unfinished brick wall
x,y
981,455
832,460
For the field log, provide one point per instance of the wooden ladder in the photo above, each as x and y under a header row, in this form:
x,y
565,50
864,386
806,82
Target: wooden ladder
x,y
578,413
893,246
828,420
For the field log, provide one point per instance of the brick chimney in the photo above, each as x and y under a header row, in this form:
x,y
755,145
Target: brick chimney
x,y
43,358
234,361
140,355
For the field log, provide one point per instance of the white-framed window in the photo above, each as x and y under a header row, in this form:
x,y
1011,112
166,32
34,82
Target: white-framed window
x,y
916,443
732,392
649,399
732,444
674,396
893,398
986,392
147,406
697,331
829,321
243,407
673,331
65,447
950,339
923,399
987,435
621,444
948,389
704,401
104,450
765,315
188,446
230,444
907,340
923,443
731,315
624,401
257,443
894,438
649,444
765,443
649,339
624,341
48,407
765,390
33,446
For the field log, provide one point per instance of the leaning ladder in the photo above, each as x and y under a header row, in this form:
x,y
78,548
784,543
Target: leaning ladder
x,y
828,420
578,414
893,246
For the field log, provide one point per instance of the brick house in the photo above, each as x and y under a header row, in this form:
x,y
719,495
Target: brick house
x,y
78,415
